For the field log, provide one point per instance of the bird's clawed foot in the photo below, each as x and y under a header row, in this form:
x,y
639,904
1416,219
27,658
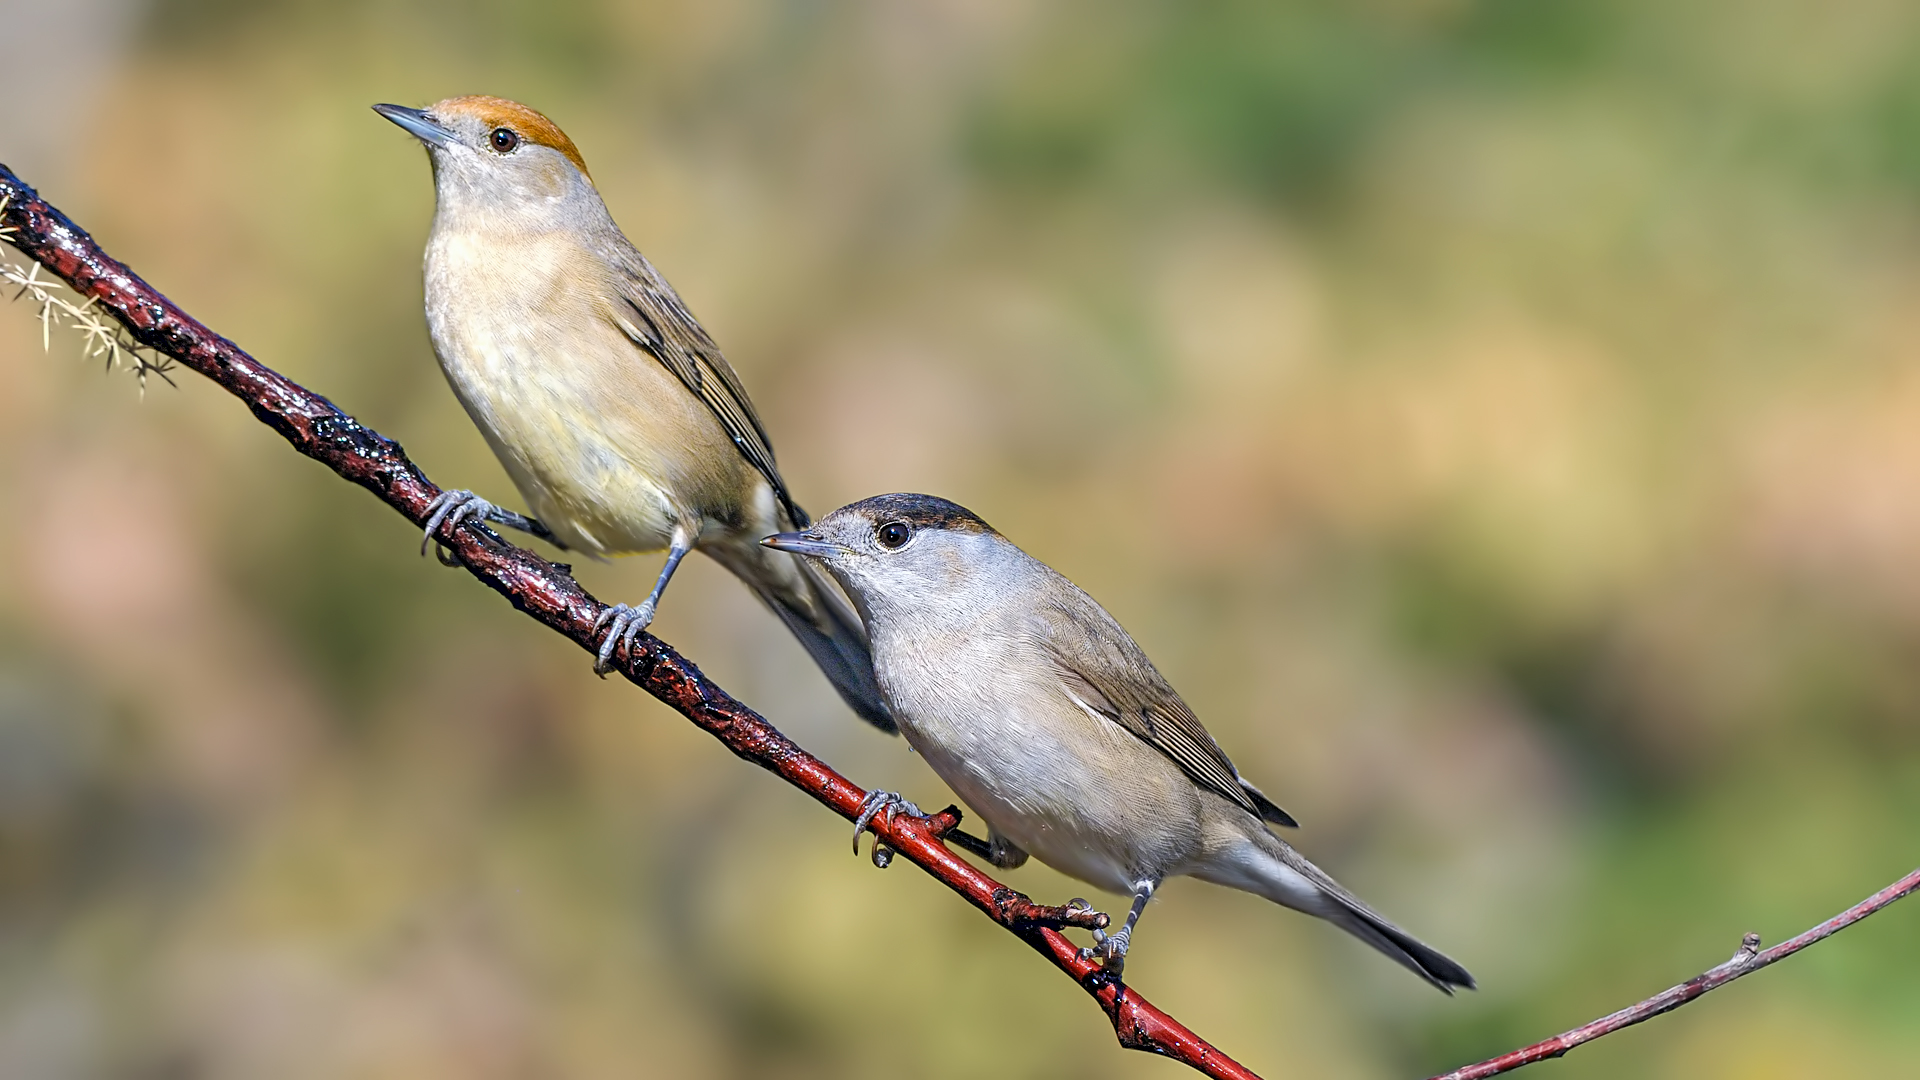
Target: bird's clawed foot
x,y
626,624
1109,949
451,508
876,803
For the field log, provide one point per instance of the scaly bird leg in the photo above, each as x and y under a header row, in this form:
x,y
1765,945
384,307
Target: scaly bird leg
x,y
628,622
453,507
968,842
996,849
1112,948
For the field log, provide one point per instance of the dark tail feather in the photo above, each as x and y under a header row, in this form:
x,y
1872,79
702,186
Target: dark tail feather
x,y
832,634
1421,959
1298,884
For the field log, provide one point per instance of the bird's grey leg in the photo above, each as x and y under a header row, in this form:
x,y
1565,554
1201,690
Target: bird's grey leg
x,y
1003,852
1112,948
877,802
970,843
996,849
461,505
627,622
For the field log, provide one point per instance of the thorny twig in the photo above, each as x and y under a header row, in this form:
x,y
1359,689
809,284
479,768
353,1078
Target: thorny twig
x,y
99,337
544,591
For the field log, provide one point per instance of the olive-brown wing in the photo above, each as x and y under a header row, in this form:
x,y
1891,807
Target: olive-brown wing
x,y
654,318
1102,667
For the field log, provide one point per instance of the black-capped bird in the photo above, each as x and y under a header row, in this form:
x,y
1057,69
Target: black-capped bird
x,y
1046,717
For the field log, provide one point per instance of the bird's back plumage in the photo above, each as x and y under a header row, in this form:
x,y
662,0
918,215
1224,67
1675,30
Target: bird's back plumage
x,y
1106,672
652,316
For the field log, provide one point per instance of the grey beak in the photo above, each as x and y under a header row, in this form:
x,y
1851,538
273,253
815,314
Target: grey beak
x,y
800,543
417,124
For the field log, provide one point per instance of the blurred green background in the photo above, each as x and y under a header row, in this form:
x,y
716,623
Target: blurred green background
x,y
1499,418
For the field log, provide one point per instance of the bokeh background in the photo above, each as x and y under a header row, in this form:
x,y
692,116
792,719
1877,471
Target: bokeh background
x,y
1500,419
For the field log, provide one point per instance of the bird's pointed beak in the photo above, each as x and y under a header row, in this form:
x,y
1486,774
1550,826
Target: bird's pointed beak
x,y
417,124
800,543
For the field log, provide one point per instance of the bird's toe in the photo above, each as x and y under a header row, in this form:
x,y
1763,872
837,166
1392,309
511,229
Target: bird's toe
x,y
450,508
1109,949
876,803
616,621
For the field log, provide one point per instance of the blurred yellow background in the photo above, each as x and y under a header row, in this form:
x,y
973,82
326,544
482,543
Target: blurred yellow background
x,y
1499,418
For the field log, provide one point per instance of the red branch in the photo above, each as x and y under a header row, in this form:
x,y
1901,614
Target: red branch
x,y
550,595
1749,959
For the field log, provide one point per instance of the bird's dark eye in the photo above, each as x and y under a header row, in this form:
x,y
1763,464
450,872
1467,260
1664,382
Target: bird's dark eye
x,y
504,140
893,534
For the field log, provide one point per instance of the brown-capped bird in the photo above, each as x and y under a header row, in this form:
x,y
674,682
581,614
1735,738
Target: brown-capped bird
x,y
615,414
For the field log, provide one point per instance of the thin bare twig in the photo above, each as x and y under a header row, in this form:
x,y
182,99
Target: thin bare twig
x,y
550,595
1750,958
